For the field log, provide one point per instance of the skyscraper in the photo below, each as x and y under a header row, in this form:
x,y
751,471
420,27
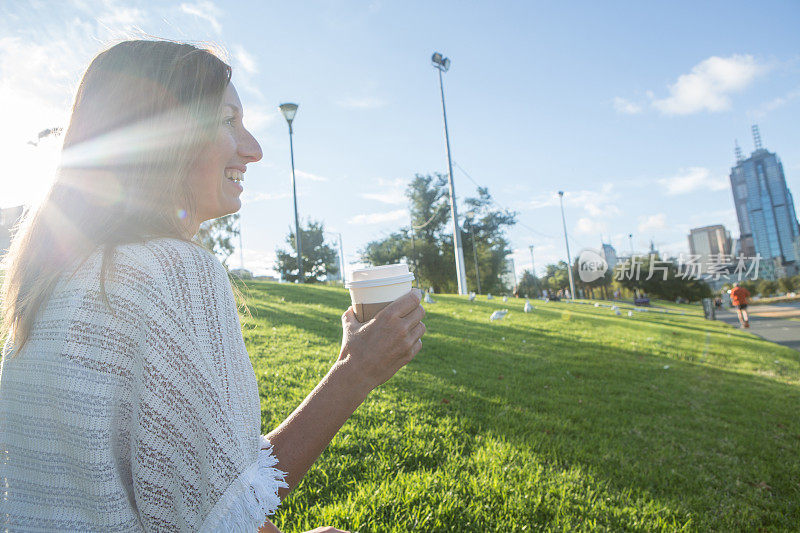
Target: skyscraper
x,y
765,209
709,243
610,255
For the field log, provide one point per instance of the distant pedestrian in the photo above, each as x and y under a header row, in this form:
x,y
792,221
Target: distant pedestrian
x,y
739,296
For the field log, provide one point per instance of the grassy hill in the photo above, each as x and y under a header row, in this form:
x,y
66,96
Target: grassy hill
x,y
567,418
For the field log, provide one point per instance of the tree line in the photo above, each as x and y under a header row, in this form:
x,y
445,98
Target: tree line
x,y
666,282
426,245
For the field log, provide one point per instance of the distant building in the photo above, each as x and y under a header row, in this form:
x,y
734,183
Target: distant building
x,y
709,242
610,255
765,208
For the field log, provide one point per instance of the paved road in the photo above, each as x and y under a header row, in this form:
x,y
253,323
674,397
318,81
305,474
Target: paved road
x,y
779,323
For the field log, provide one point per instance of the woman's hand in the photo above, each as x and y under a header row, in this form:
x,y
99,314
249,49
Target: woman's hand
x,y
377,349
371,354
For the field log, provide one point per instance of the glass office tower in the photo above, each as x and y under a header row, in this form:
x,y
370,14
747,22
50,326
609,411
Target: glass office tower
x,y
765,209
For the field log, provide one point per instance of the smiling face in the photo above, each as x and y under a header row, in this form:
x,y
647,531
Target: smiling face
x,y
217,176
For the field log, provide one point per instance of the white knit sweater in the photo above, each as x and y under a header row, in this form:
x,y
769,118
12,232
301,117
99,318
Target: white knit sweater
x,y
144,418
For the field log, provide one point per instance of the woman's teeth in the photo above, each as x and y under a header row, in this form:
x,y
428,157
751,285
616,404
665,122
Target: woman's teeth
x,y
234,175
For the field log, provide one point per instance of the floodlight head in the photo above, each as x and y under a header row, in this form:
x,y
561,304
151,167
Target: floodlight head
x,y
289,111
561,193
442,63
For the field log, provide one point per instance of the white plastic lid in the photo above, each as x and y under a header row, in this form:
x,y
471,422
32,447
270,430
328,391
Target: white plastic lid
x,y
381,275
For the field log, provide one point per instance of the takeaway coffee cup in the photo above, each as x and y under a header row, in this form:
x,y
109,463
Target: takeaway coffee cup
x,y
372,289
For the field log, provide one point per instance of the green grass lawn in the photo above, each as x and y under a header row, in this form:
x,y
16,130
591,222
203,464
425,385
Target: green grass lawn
x,y
568,418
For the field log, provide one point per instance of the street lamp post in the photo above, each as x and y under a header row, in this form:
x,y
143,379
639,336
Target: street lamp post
x,y
566,240
442,64
630,239
289,111
341,252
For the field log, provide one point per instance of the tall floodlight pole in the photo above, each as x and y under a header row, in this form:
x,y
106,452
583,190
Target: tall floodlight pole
x,y
289,111
442,64
474,254
566,240
341,257
630,239
533,270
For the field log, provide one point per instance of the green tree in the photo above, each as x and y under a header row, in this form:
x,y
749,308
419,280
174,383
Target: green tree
x,y
556,277
485,225
319,258
529,286
767,287
750,285
217,236
786,285
602,284
427,246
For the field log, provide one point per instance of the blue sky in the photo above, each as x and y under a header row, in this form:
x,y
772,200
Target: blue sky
x,y
632,109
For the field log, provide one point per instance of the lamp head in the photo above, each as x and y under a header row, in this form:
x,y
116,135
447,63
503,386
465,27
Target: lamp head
x,y
561,193
442,63
289,111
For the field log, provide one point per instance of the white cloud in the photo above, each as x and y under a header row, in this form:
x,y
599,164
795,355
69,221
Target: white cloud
x,y
205,10
595,203
378,218
774,104
362,103
627,107
309,176
393,192
385,197
709,85
257,116
544,200
590,226
245,60
121,18
691,179
35,90
259,262
652,223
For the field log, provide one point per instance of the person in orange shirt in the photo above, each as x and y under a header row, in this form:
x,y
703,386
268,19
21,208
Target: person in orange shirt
x,y
739,296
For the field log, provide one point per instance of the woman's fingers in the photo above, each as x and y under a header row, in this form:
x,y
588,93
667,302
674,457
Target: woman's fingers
x,y
349,316
415,316
417,332
416,348
405,304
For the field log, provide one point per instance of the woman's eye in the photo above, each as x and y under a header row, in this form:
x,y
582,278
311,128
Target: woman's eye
x,y
229,121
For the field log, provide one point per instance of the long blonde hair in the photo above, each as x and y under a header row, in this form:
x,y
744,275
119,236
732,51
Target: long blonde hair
x,y
143,112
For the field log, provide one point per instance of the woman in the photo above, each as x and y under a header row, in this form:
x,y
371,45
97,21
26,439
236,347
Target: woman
x,y
127,399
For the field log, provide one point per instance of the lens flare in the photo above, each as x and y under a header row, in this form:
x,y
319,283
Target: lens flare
x,y
181,214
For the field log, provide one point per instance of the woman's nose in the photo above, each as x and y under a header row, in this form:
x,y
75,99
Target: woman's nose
x,y
249,148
